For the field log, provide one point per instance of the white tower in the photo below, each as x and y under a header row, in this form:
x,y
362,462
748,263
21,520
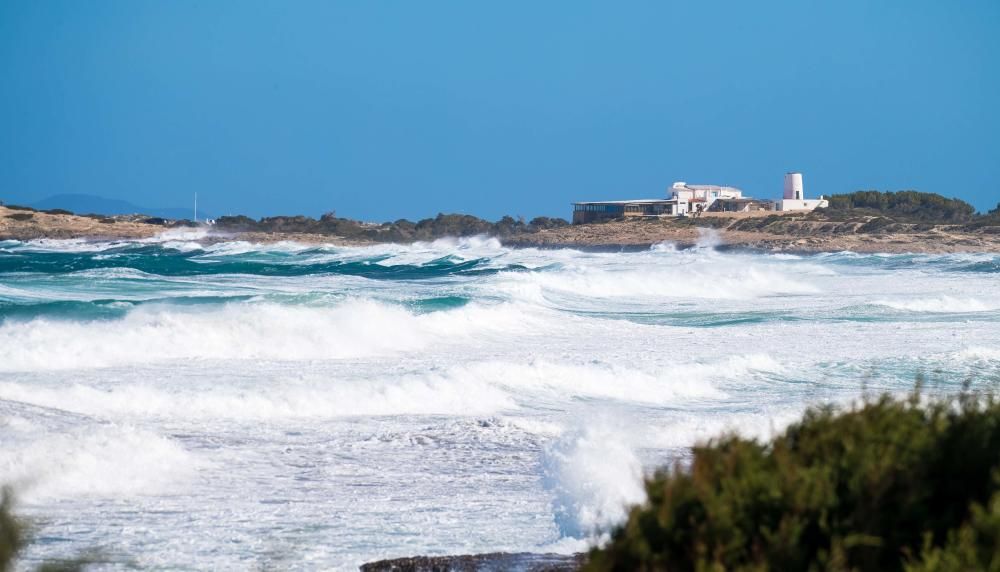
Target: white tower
x,y
793,187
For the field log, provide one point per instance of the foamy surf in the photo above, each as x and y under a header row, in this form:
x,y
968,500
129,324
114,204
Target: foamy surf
x,y
352,329
942,304
450,396
113,462
595,476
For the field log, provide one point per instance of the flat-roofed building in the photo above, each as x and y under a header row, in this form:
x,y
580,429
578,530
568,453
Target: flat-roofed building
x,y
596,211
741,205
707,193
683,199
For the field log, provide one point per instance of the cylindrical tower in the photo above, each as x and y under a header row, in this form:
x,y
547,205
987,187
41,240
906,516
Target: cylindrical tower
x,y
793,186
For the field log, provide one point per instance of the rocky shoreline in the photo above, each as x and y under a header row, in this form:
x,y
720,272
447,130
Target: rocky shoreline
x,y
791,234
798,237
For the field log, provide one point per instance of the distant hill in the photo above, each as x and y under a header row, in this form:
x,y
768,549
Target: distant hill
x,y
93,204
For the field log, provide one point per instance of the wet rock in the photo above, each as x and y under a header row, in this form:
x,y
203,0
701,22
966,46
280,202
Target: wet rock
x,y
494,562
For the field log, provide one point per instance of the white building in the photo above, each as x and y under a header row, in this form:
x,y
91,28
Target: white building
x,y
794,196
683,199
694,198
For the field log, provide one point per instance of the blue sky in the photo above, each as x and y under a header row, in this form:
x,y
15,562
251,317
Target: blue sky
x,y
382,110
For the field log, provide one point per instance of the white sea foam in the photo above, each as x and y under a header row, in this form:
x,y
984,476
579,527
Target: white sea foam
x,y
240,247
595,476
465,248
330,411
724,281
942,304
978,353
425,394
691,429
179,234
451,244
355,328
708,238
666,385
66,245
178,238
474,389
110,461
662,273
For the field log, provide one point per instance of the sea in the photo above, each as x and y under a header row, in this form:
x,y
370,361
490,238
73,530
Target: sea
x,y
172,403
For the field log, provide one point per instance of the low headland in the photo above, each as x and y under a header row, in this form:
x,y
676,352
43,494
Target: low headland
x,y
866,221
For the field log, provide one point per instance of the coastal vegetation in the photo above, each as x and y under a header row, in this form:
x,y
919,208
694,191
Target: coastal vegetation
x,y
909,485
990,219
906,222
15,535
12,535
867,213
402,230
901,206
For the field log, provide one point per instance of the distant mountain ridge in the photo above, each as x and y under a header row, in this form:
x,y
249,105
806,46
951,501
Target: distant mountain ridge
x,y
92,204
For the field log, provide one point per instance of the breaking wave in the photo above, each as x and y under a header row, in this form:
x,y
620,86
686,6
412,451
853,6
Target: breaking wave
x,y
512,398
942,304
475,389
978,354
355,328
111,462
595,476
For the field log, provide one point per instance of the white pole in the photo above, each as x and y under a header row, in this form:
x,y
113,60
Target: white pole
x,y
196,206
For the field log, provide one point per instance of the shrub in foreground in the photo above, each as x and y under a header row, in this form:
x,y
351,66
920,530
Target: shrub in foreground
x,y
889,485
11,533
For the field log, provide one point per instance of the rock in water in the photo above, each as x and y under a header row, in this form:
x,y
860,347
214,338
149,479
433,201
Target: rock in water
x,y
494,562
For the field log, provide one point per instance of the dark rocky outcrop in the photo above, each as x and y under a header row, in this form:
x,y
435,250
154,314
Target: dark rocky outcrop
x,y
493,562
402,230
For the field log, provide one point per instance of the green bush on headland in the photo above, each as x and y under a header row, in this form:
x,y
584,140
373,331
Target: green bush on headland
x,y
903,206
402,230
889,485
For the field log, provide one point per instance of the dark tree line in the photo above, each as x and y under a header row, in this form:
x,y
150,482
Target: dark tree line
x,y
402,230
903,206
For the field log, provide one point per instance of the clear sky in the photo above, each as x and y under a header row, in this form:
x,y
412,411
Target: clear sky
x,y
383,109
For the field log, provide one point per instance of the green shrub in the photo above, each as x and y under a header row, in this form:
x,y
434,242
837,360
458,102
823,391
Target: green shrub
x,y
890,485
12,536
974,546
20,208
401,230
21,216
15,535
544,222
912,206
238,222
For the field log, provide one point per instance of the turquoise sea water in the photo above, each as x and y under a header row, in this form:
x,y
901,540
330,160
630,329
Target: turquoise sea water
x,y
237,405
